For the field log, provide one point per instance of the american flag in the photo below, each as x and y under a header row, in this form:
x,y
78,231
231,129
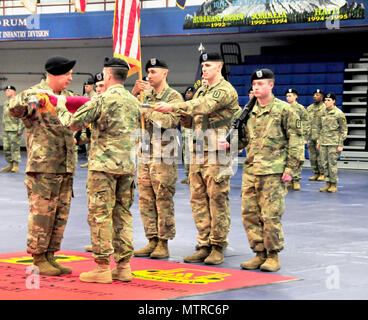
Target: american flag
x,y
126,35
80,5
31,5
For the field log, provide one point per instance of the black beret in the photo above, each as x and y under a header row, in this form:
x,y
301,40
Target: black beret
x,y
115,62
156,63
318,91
291,90
11,87
59,65
98,77
189,89
331,95
89,81
262,74
211,56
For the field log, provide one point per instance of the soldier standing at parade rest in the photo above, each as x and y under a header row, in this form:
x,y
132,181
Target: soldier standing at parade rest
x,y
13,130
314,112
89,91
332,131
114,115
50,167
273,142
157,169
212,110
291,97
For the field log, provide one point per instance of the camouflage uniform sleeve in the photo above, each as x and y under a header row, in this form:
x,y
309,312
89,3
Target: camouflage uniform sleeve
x,y
343,128
293,126
85,115
305,123
19,107
319,128
205,104
166,120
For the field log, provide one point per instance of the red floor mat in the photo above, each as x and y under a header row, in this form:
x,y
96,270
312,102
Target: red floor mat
x,y
153,280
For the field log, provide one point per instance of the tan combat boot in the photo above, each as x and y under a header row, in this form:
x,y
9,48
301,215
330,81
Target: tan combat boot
x,y
161,251
50,256
148,249
88,248
296,185
122,272
8,167
185,181
325,188
314,177
321,178
216,256
332,188
84,165
289,185
45,267
272,262
102,274
256,262
15,167
199,256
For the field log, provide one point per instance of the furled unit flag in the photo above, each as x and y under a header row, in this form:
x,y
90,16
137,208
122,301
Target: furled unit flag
x,y
181,3
127,44
80,5
31,5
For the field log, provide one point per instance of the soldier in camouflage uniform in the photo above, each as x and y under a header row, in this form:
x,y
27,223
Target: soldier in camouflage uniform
x,y
212,110
50,167
274,146
314,112
12,136
114,115
157,169
291,97
332,131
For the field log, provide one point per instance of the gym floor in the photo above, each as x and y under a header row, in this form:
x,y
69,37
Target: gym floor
x,y
326,243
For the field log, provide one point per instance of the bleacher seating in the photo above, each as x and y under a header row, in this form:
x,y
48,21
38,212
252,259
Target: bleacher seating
x,y
304,77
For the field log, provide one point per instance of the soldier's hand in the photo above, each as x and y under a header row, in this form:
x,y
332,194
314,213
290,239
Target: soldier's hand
x,y
164,107
140,85
286,177
340,148
223,144
317,146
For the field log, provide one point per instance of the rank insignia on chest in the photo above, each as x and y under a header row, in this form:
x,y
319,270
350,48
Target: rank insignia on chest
x,y
298,124
216,94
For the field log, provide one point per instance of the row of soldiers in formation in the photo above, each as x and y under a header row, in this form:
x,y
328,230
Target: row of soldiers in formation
x,y
272,136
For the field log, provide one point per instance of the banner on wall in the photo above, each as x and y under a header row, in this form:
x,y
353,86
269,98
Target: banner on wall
x,y
263,13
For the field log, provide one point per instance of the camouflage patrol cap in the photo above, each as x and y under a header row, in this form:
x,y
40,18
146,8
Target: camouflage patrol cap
x,y
262,74
11,87
115,62
98,77
291,90
331,95
58,65
156,63
211,56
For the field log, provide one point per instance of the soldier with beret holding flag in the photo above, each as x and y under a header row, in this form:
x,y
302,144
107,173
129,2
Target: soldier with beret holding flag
x,y
50,166
114,115
157,169
273,141
212,110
